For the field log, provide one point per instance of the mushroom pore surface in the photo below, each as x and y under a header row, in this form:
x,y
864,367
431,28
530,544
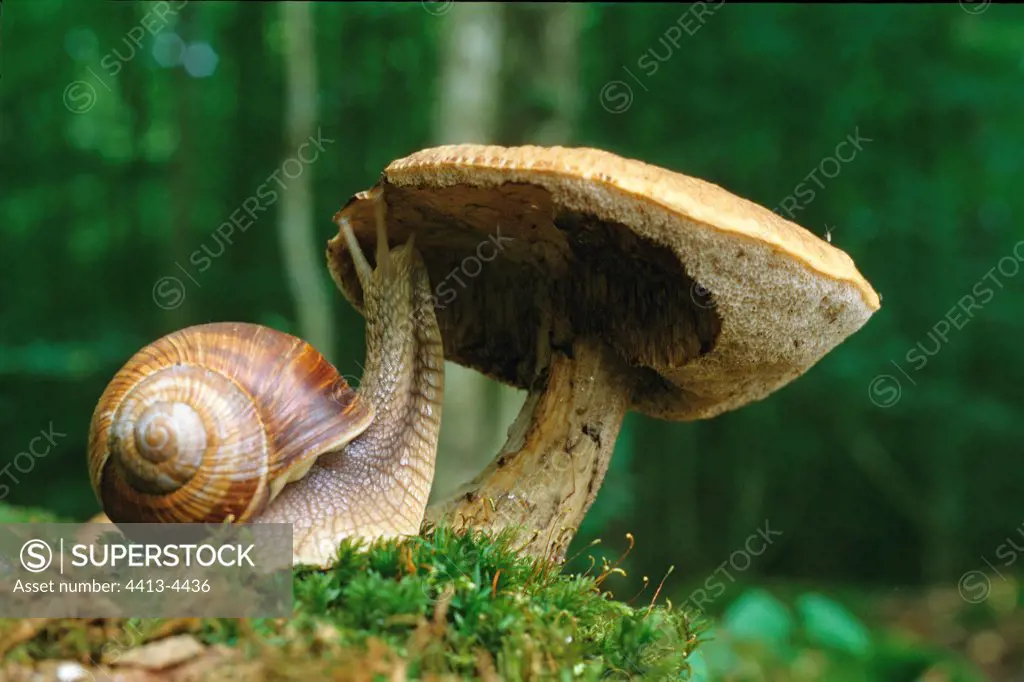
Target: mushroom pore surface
x,y
515,276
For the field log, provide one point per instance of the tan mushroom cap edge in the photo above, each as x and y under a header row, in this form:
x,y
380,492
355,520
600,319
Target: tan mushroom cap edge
x,y
784,296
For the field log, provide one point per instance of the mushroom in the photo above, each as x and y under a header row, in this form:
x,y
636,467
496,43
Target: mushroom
x,y
601,285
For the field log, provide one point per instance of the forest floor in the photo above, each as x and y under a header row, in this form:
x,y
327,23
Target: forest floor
x,y
990,634
790,632
446,606
439,606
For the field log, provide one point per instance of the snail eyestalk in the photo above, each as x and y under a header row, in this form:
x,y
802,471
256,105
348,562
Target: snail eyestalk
x,y
363,269
384,264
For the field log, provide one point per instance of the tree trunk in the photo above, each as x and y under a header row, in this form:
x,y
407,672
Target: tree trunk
x,y
303,256
541,73
468,111
182,237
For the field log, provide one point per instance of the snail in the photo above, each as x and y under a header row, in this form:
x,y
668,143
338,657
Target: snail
x,y
241,423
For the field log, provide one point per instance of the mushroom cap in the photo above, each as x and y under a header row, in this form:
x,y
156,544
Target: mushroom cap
x,y
711,300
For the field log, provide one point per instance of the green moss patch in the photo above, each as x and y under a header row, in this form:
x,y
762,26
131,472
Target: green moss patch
x,y
440,606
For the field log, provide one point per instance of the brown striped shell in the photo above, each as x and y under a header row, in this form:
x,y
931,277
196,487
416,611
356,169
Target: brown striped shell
x,y
210,422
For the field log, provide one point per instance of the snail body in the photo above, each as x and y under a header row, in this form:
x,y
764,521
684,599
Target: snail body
x,y
241,423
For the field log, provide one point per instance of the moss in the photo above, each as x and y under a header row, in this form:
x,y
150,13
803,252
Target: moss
x,y
443,604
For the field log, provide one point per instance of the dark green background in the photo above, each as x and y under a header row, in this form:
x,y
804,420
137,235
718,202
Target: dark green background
x,y
96,207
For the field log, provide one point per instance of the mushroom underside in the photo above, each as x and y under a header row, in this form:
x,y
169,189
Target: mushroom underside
x,y
580,311
506,264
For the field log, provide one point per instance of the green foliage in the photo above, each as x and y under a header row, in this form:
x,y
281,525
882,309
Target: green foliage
x,y
763,637
830,625
757,616
9,514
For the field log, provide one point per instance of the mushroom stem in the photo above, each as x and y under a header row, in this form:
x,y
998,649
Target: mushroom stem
x,y
548,473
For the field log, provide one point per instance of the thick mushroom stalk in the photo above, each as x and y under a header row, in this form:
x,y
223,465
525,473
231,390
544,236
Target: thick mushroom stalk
x,y
558,450
377,487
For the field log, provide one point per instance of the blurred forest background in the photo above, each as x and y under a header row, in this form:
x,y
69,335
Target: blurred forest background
x,y
129,132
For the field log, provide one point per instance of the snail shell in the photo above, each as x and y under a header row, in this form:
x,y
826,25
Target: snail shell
x,y
210,422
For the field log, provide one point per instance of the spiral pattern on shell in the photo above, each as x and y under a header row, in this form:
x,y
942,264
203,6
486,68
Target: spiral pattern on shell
x,y
208,423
